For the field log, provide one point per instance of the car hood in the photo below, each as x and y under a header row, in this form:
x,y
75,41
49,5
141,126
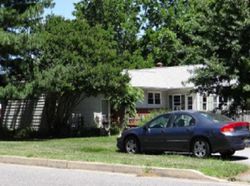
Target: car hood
x,y
132,130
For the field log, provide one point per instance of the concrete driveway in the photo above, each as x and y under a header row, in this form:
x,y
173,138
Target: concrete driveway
x,y
242,156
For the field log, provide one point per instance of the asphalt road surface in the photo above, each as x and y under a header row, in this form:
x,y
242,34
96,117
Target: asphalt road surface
x,y
18,175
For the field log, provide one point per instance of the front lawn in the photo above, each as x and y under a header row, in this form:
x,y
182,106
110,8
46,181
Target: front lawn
x,y
103,149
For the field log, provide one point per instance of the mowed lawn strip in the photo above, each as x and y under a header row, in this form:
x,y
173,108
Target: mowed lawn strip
x,y
103,149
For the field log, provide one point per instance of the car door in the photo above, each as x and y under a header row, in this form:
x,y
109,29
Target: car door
x,y
178,136
153,137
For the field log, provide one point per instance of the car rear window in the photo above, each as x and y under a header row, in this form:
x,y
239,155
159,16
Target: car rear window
x,y
217,118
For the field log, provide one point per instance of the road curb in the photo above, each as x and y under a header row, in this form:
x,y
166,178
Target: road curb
x,y
118,168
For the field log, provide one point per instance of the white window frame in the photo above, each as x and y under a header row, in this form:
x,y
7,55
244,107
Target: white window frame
x,y
180,95
187,104
204,103
154,92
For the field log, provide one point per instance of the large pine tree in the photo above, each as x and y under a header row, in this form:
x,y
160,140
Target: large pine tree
x,y
18,44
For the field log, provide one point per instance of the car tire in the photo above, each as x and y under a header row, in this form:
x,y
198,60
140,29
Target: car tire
x,y
227,154
131,145
201,148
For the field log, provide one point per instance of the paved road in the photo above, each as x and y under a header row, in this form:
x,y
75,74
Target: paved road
x,y
13,175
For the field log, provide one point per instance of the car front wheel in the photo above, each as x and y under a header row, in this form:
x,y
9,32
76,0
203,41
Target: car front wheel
x,y
201,148
131,145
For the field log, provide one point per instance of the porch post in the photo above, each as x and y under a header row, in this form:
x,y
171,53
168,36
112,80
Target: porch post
x,y
198,101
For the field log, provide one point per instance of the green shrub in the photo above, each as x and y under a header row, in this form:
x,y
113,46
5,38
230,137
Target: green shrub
x,y
5,133
89,132
114,129
24,133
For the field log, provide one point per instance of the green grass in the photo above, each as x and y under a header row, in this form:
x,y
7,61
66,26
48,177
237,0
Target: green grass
x,y
103,149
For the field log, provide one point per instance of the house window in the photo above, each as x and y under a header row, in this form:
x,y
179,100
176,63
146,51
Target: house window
x,y
190,102
204,103
182,102
154,98
178,102
157,98
150,98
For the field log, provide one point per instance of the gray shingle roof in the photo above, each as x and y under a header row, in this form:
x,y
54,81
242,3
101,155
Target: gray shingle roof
x,y
175,77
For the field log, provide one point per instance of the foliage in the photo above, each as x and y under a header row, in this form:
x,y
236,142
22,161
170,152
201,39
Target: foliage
x,y
147,32
114,129
163,27
76,61
125,102
120,19
117,16
128,98
222,32
18,44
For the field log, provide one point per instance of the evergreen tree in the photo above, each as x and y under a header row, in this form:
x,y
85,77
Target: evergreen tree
x,y
18,44
77,61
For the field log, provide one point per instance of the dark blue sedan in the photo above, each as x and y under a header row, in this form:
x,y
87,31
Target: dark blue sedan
x,y
200,133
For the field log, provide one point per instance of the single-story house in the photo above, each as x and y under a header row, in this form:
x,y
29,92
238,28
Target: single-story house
x,y
164,88
168,88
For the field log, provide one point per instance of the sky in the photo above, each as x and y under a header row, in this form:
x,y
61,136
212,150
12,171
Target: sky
x,y
63,8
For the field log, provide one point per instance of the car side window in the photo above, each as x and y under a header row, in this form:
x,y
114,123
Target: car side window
x,y
160,122
184,120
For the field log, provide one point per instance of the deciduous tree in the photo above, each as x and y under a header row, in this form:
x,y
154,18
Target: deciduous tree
x,y
223,34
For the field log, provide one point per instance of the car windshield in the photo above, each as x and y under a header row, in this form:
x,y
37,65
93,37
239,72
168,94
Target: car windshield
x,y
217,118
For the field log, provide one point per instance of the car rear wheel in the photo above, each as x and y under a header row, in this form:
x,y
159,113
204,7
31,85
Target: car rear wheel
x,y
227,154
131,145
201,148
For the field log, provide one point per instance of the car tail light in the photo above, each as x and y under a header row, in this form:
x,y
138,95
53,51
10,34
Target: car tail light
x,y
231,127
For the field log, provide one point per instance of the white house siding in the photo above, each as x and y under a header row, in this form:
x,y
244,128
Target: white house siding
x,y
88,107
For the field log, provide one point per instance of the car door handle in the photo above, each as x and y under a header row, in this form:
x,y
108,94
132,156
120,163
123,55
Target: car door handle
x,y
163,131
